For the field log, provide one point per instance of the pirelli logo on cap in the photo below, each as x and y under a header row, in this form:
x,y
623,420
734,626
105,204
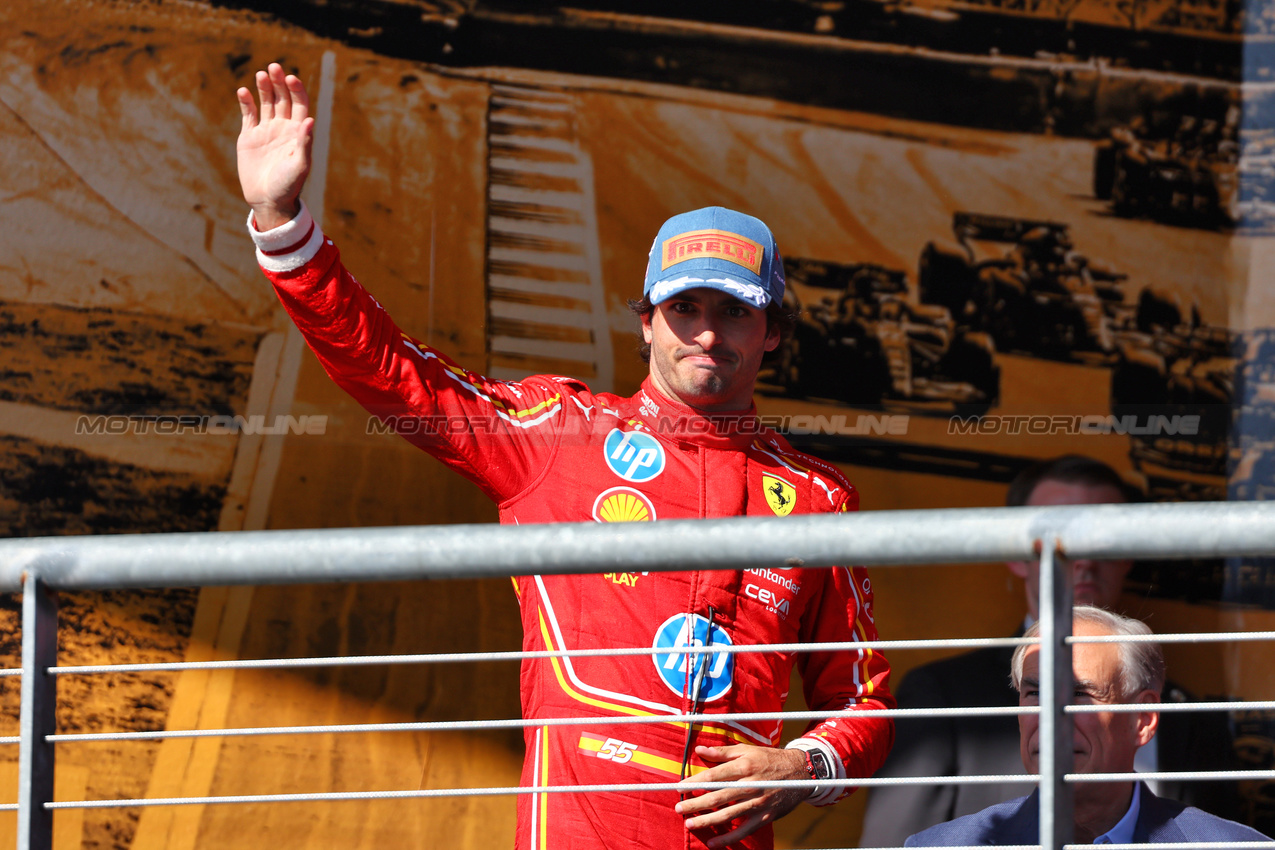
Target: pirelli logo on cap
x,y
715,244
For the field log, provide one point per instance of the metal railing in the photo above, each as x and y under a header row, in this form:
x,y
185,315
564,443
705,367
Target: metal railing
x,y
37,566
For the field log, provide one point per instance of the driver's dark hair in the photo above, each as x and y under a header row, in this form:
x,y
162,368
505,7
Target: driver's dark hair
x,y
1067,469
777,316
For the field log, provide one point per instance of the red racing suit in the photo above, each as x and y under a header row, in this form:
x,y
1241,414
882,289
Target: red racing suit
x,y
546,449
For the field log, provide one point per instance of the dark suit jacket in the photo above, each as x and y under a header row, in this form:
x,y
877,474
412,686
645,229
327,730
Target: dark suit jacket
x,y
969,746
1160,821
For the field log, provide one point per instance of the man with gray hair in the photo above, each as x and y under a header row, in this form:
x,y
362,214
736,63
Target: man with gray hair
x,y
1116,812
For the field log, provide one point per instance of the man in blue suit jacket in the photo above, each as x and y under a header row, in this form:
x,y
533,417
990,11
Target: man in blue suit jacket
x,y
1103,742
1158,821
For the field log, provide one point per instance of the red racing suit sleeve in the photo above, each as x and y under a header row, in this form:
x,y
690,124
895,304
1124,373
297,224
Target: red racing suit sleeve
x,y
845,680
498,434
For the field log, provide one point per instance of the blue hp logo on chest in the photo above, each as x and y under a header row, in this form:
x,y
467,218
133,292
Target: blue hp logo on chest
x,y
680,669
633,456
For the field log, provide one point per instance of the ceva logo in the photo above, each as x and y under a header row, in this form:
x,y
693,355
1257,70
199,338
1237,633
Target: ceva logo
x,y
680,669
633,456
772,600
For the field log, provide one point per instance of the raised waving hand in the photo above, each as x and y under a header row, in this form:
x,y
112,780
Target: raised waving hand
x,y
274,146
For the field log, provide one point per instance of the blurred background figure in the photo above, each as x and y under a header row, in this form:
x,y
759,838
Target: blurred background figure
x,y
989,745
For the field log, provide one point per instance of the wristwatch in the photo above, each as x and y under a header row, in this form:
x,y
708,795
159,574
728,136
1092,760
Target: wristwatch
x,y
818,768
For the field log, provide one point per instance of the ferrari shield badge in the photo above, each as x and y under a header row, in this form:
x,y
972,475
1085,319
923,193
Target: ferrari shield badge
x,y
780,495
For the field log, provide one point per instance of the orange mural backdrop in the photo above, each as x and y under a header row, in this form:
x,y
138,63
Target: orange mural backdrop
x,y
1003,250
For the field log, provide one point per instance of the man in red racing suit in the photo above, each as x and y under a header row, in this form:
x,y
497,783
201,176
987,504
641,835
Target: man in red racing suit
x,y
546,449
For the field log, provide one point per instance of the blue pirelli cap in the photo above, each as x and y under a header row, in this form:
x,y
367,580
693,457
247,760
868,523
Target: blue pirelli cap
x,y
719,249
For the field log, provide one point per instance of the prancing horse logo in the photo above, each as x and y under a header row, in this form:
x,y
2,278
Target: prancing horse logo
x,y
780,495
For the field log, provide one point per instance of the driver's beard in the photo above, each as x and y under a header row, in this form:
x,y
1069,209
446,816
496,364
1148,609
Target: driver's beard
x,y
714,385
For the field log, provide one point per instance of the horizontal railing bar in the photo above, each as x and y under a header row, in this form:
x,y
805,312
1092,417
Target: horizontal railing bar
x,y
522,723
965,847
1185,845
514,790
1173,707
956,535
1173,776
11,671
473,657
332,796
450,657
1186,637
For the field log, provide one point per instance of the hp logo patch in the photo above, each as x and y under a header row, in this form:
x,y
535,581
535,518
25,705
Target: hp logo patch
x,y
633,456
678,669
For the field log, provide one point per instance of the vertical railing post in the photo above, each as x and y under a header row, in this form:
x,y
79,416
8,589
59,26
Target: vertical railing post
x,y
1057,824
38,719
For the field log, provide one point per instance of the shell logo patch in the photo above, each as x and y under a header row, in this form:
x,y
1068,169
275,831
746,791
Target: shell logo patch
x,y
714,244
780,495
623,504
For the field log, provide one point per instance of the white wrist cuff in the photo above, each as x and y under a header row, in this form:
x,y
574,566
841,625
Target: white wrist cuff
x,y
819,795
288,246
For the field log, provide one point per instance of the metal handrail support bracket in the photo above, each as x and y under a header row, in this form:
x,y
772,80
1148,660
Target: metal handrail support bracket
x,y
39,719
1057,821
